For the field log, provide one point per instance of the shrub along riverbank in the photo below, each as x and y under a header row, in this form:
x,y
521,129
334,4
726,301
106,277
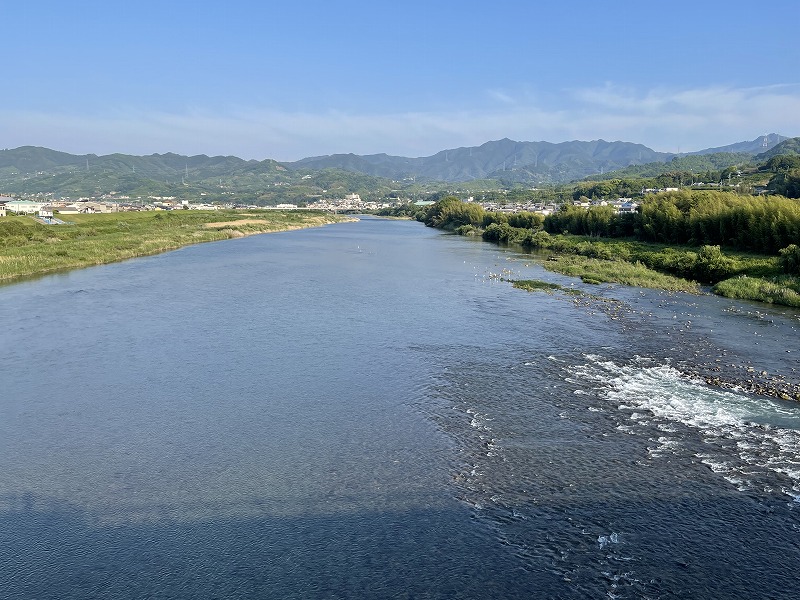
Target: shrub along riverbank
x,y
29,248
672,243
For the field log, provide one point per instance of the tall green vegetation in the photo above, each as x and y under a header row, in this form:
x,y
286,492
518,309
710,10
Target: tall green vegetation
x,y
785,170
761,224
786,183
597,221
452,214
749,223
680,234
790,259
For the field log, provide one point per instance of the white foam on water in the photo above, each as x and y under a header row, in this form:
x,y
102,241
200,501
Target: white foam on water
x,y
665,445
744,440
626,429
605,540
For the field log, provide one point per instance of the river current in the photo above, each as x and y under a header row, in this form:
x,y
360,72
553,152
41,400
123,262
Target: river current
x,y
371,410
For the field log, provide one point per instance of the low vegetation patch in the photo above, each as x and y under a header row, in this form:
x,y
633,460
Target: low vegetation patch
x,y
596,271
784,290
536,285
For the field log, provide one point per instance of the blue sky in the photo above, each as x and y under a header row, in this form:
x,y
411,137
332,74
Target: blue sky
x,y
263,79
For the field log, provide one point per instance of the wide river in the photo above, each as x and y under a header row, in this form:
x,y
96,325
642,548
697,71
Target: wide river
x,y
370,410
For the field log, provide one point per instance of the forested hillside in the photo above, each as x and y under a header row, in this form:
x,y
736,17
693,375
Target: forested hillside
x,y
507,166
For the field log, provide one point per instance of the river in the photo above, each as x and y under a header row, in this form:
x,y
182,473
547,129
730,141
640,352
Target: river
x,y
370,410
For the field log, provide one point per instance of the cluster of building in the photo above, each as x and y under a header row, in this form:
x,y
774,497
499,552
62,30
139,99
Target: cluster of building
x,y
45,210
46,207
350,203
515,207
621,205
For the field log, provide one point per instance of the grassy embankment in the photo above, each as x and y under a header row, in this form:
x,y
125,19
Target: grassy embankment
x,y
733,274
744,247
29,248
772,288
779,289
598,270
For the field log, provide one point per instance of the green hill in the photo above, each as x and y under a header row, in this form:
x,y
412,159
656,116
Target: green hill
x,y
498,164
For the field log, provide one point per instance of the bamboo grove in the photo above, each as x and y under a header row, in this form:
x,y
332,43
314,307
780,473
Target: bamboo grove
x,y
759,224
682,234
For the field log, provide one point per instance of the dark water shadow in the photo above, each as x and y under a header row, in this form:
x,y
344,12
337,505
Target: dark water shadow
x,y
55,550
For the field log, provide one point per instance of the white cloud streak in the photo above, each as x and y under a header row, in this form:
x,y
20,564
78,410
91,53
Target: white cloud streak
x,y
664,119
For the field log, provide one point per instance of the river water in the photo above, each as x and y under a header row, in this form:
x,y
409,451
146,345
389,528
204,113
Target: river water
x,y
370,410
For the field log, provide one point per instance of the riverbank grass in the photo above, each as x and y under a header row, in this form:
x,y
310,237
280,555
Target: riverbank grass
x,y
537,285
596,271
783,290
740,275
29,248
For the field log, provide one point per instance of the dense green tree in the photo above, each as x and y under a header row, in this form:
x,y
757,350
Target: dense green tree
x,y
490,217
451,213
786,183
526,220
782,163
503,233
711,265
599,221
711,219
758,224
790,259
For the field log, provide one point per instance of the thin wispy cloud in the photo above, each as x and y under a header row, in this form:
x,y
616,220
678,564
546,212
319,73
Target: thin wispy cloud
x,y
501,97
695,117
665,119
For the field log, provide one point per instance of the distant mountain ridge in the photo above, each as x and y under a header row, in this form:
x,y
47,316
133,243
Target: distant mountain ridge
x,y
757,146
512,161
505,159
706,161
34,159
787,146
31,169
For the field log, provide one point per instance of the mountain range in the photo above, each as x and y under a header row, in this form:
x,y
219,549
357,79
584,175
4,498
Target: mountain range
x,y
31,169
510,161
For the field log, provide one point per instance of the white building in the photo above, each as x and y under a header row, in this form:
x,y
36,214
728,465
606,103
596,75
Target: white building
x,y
24,207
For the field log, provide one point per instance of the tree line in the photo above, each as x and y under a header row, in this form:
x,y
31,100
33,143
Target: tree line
x,y
761,224
704,219
749,223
